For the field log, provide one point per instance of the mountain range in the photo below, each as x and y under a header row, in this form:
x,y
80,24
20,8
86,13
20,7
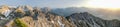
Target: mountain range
x,y
27,16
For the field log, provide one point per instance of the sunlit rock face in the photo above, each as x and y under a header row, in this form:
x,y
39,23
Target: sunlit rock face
x,y
5,10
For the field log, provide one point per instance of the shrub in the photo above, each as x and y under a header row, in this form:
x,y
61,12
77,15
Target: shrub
x,y
20,23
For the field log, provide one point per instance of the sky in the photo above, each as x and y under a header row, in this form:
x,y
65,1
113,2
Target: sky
x,y
64,3
43,3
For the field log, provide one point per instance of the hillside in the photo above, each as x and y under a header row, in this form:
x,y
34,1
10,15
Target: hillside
x,y
27,16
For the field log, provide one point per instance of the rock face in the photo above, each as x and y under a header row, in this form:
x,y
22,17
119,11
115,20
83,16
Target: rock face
x,y
44,20
41,17
5,10
87,20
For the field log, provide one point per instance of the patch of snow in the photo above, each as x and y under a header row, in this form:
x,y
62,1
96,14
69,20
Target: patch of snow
x,y
6,12
52,21
2,18
62,25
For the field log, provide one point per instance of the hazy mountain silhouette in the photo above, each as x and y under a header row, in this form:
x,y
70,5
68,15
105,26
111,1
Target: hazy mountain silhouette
x,y
108,14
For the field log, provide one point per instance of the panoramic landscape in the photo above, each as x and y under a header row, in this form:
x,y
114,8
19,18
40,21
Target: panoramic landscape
x,y
59,13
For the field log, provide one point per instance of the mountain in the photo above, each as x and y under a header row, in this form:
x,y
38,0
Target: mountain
x,y
27,16
70,10
88,20
38,19
104,13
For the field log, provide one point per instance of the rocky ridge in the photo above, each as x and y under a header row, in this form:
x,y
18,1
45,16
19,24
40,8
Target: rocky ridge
x,y
36,17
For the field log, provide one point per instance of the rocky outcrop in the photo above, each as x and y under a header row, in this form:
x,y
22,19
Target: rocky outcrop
x,y
38,18
5,10
87,20
75,20
45,20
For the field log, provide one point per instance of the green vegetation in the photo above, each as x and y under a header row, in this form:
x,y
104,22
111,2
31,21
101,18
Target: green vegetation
x,y
2,15
20,23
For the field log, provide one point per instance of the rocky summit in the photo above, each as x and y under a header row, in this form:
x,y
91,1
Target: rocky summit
x,y
27,16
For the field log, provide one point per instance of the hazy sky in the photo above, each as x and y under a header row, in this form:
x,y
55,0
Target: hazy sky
x,y
103,3
64,3
43,3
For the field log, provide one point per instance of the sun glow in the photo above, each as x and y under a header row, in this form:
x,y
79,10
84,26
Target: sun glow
x,y
103,3
112,9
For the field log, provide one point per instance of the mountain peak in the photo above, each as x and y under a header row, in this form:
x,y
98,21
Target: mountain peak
x,y
88,20
5,7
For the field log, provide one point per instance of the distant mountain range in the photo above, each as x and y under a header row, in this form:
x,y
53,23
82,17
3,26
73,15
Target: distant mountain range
x,y
104,13
27,16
